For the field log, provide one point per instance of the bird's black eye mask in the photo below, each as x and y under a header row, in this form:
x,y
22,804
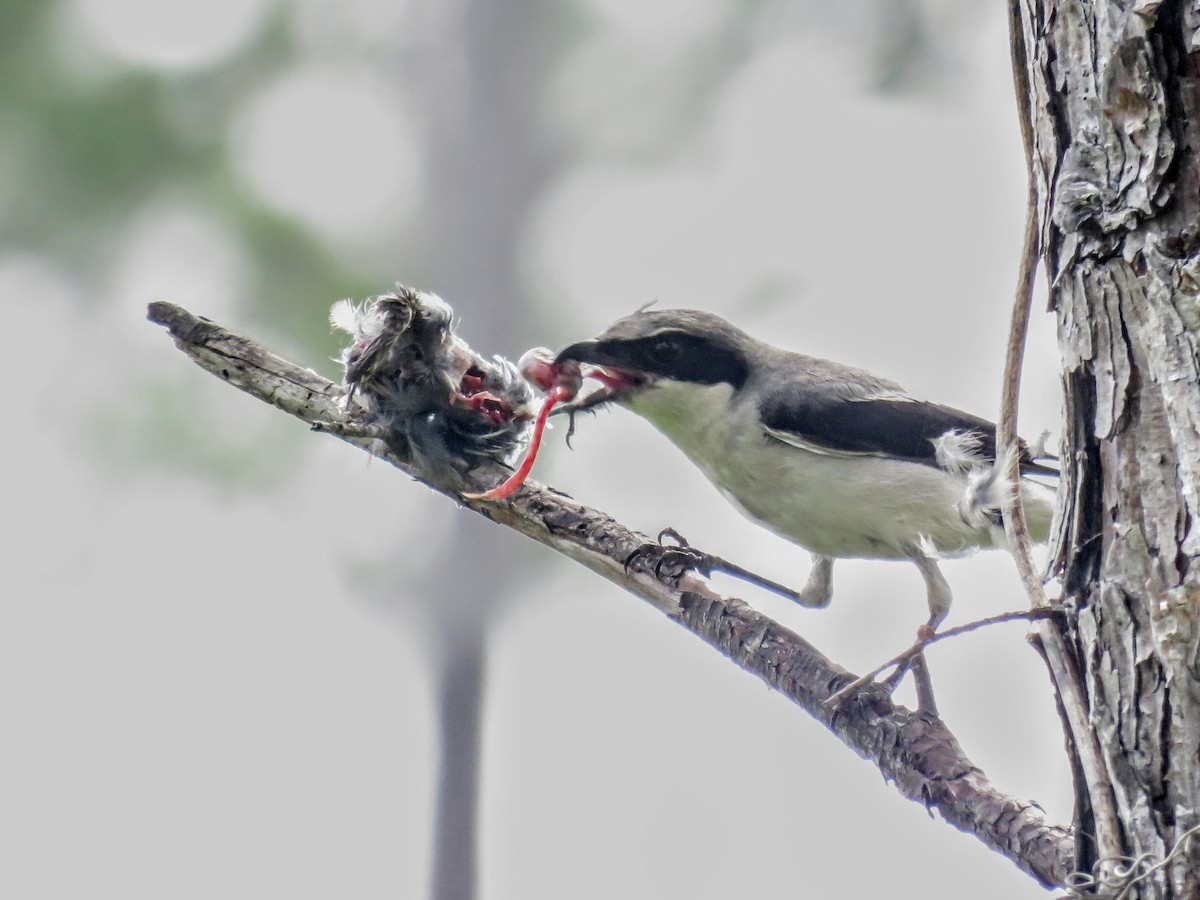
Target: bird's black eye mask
x,y
679,356
623,366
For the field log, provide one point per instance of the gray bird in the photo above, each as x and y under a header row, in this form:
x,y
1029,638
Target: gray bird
x,y
436,402
840,461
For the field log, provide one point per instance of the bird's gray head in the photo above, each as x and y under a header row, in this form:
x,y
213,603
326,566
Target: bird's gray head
x,y
670,345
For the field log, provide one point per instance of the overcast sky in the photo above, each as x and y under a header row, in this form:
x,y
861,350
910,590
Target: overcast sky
x,y
207,685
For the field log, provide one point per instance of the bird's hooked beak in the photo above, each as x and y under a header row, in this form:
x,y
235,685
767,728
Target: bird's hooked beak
x,y
584,352
602,361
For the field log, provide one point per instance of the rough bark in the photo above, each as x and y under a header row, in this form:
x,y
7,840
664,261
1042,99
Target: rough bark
x,y
1115,100
915,751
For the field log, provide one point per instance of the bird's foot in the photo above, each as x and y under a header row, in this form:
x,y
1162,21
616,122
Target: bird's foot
x,y
818,590
671,561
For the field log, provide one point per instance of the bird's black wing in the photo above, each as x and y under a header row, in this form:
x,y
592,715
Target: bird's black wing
x,y
887,424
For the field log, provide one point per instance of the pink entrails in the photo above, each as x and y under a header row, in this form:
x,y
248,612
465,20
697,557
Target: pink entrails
x,y
562,383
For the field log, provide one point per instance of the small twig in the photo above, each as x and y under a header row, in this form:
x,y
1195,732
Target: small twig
x,y
923,682
365,431
923,642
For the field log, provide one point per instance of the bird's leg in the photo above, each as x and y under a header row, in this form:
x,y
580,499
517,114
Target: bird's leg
x,y
936,587
818,590
939,597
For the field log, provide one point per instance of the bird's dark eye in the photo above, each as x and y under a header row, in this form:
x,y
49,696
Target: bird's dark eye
x,y
665,349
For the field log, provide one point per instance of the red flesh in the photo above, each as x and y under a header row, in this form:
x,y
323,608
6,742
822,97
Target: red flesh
x,y
514,481
471,383
562,382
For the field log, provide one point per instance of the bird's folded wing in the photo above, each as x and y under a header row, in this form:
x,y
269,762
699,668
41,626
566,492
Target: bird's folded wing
x,y
889,424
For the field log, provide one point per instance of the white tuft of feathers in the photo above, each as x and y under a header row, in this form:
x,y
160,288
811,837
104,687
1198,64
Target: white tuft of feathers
x,y
987,486
1037,450
959,452
362,321
987,490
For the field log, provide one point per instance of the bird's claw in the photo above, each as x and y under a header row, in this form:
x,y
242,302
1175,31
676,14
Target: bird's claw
x,y
678,539
671,561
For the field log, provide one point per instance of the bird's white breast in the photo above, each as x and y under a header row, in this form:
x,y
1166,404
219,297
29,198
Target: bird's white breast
x,y
836,505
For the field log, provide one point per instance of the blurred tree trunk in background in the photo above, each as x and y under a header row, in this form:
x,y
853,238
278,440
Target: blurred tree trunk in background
x,y
487,166
1115,108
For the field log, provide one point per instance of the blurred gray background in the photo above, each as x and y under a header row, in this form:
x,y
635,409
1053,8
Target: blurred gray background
x,y
238,659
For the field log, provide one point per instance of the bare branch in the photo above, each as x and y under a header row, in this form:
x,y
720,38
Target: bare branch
x,y
914,751
907,656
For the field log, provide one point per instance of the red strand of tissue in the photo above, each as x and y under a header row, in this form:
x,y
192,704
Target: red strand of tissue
x,y
514,481
561,381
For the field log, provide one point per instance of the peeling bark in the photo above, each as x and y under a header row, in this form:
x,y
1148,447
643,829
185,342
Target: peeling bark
x,y
1115,94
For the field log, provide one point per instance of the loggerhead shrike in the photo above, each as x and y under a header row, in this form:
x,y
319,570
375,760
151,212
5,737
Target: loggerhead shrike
x,y
840,461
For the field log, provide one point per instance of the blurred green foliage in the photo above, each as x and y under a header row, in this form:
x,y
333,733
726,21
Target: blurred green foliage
x,y
89,142
87,150
87,145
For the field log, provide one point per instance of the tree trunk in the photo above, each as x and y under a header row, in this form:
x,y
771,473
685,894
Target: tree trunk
x,y
1114,103
487,166
460,684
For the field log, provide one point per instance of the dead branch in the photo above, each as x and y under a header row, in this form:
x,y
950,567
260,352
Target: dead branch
x,y
916,752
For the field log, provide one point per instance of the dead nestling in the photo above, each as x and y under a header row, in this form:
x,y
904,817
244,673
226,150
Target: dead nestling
x,y
438,403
